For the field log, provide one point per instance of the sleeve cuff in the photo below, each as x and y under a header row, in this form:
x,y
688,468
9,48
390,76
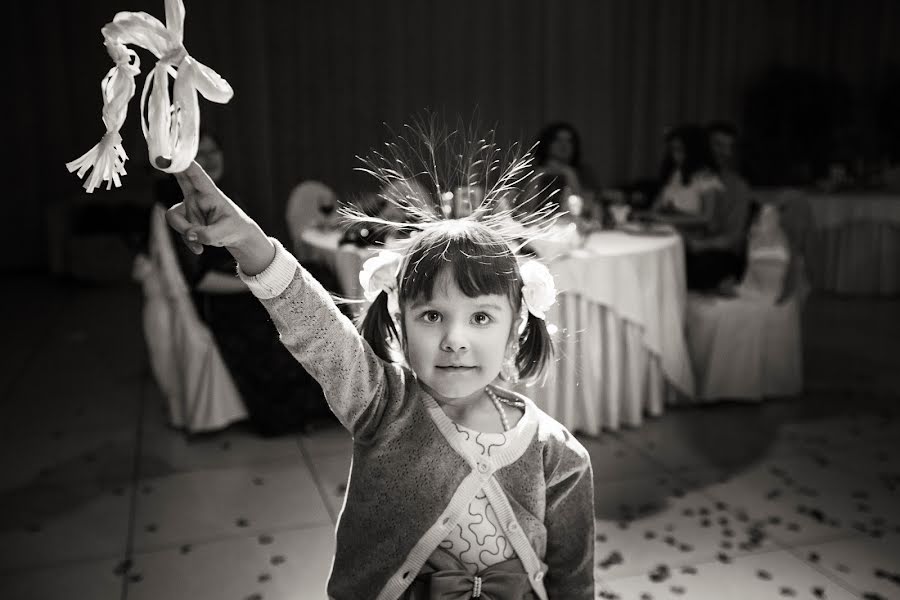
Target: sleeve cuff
x,y
276,277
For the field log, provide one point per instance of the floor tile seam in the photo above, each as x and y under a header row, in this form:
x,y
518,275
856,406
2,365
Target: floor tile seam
x,y
791,490
676,474
320,484
779,541
785,454
831,575
41,341
270,465
647,455
20,435
136,470
329,454
823,539
65,562
107,487
626,478
250,534
681,476
680,565
24,432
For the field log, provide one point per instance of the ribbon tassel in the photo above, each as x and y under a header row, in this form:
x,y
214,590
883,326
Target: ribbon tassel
x,y
106,161
173,131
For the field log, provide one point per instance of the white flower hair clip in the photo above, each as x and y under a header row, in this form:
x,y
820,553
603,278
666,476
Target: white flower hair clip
x,y
171,129
379,274
538,288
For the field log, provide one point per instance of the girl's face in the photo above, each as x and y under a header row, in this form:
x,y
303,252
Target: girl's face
x,y
456,344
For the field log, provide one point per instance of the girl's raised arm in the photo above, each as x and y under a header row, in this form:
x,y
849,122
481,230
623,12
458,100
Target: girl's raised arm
x,y
208,217
356,382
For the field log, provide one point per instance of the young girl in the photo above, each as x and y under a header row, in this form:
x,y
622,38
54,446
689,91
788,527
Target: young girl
x,y
458,488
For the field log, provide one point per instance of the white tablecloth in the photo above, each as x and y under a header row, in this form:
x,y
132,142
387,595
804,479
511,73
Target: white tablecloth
x,y
830,211
854,241
622,350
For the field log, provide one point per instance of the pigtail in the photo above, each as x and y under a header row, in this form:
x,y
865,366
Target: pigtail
x,y
378,328
535,349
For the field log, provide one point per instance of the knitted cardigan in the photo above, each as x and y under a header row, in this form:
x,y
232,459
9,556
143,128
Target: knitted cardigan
x,y
410,478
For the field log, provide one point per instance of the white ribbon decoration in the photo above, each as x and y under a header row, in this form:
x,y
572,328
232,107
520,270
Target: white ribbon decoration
x,y
379,274
538,288
172,127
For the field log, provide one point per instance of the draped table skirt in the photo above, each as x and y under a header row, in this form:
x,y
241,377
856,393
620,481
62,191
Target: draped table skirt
x,y
861,258
852,238
604,376
621,349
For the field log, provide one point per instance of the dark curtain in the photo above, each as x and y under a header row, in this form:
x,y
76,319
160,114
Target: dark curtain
x,y
317,83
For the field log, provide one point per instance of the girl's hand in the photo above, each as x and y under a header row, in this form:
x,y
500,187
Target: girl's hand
x,y
207,217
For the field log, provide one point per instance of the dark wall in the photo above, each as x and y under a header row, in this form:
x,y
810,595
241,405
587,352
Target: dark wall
x,y
316,82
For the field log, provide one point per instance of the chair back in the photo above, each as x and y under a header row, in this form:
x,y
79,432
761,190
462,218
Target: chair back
x,y
311,204
199,390
796,220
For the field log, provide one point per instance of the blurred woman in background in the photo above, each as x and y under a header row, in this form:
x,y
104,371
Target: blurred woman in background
x,y
690,188
558,171
278,393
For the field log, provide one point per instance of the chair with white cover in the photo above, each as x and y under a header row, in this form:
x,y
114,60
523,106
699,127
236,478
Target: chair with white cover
x,y
199,390
749,346
311,205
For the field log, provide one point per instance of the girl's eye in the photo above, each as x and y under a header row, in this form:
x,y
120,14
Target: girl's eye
x,y
482,318
431,316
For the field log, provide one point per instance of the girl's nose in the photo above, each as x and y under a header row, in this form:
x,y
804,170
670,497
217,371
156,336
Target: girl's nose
x,y
454,339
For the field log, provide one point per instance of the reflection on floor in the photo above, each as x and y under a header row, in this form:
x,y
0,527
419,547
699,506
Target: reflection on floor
x,y
99,499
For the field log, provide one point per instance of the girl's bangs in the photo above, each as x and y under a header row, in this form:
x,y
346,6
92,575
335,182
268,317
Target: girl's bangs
x,y
478,264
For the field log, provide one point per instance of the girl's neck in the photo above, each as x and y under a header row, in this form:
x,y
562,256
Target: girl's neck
x,y
478,412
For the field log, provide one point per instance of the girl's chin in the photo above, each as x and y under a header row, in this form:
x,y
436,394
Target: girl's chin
x,y
446,393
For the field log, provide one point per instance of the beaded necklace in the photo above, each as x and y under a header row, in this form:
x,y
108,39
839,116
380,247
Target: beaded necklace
x,y
498,404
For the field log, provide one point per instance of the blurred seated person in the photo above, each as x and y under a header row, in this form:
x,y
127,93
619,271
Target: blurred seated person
x,y
889,176
279,395
836,177
311,205
690,188
716,257
638,194
390,204
558,171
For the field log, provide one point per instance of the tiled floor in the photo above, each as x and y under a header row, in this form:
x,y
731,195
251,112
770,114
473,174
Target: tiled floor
x,y
100,500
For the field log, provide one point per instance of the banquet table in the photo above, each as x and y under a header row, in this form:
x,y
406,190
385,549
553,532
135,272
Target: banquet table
x,y
853,246
621,349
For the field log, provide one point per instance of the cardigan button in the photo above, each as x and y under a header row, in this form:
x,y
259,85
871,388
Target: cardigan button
x,y
513,526
483,467
539,576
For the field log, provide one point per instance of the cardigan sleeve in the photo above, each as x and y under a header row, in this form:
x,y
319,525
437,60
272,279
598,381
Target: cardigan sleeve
x,y
569,520
357,384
